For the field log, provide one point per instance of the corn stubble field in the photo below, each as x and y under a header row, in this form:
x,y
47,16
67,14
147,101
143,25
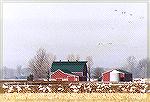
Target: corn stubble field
x,y
92,92
75,97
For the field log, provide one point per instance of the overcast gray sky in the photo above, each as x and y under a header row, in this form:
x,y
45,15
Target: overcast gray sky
x,y
78,28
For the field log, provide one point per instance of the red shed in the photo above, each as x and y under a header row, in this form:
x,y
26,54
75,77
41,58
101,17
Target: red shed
x,y
65,75
116,75
106,76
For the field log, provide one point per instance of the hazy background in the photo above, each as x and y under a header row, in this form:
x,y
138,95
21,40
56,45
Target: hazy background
x,y
110,32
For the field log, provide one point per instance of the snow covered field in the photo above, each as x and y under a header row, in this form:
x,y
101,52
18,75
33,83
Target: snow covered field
x,y
92,87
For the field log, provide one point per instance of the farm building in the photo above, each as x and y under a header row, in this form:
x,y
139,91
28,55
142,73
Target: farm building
x,y
64,75
116,75
69,70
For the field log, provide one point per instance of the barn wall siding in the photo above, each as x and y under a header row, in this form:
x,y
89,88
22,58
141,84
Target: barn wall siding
x,y
71,78
60,76
106,77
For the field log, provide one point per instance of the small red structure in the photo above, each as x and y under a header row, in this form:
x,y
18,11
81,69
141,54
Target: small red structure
x,y
106,76
116,75
59,75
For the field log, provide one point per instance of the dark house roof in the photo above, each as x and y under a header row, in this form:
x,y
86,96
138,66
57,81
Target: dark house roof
x,y
72,66
120,70
123,71
66,71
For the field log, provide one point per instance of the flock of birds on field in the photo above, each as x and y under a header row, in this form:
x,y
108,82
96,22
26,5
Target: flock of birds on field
x,y
78,88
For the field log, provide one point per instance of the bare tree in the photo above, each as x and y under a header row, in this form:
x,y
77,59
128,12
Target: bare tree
x,y
139,69
89,65
72,57
41,63
77,57
143,68
18,71
97,72
132,65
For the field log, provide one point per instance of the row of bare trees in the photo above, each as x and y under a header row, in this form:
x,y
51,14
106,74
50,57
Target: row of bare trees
x,y
41,64
139,69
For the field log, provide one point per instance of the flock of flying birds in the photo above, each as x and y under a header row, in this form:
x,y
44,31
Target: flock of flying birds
x,y
123,13
127,13
100,43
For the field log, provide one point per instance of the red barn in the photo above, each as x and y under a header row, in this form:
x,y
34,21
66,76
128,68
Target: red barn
x,y
64,75
116,75
71,68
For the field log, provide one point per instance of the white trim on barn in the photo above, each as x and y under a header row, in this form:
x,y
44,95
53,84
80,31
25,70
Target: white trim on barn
x,y
107,71
111,71
78,72
62,72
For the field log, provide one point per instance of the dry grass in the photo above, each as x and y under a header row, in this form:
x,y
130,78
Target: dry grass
x,y
75,97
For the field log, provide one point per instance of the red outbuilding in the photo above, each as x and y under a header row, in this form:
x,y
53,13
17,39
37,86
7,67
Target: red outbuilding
x,y
65,75
116,75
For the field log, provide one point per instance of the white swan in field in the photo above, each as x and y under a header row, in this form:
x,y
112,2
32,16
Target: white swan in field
x,y
103,85
10,89
44,89
132,89
142,81
49,89
60,89
110,90
143,91
145,85
78,86
18,88
27,87
75,90
40,86
99,86
73,87
98,83
4,86
70,84
89,88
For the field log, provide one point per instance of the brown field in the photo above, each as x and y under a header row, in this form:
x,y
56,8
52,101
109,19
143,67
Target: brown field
x,y
75,97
